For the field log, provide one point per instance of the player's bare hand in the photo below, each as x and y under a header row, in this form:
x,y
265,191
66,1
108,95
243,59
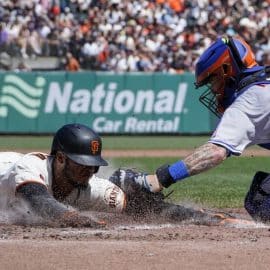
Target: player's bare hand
x,y
154,184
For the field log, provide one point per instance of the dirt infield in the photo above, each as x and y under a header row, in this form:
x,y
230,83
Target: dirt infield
x,y
126,244
148,244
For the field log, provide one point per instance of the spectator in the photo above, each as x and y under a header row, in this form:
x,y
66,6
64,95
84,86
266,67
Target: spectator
x,y
72,63
156,33
3,38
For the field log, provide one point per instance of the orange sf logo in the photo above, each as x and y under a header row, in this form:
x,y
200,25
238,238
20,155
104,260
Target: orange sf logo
x,y
94,146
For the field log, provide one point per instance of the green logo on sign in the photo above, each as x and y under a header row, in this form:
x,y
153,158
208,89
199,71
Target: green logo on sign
x,y
21,96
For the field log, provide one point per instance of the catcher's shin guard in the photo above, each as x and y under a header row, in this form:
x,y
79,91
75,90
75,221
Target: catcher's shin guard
x,y
257,201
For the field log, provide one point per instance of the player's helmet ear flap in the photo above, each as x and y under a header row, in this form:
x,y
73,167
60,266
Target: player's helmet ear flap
x,y
220,66
80,143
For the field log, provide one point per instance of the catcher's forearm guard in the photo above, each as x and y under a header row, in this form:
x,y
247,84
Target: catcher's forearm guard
x,y
164,176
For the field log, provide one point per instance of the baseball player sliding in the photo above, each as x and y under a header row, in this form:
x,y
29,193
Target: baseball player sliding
x,y
237,90
57,186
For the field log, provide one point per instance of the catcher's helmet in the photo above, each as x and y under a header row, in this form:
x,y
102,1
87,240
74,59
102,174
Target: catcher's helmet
x,y
221,66
80,143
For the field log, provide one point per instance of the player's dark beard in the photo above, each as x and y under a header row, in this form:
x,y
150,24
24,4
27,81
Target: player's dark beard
x,y
71,179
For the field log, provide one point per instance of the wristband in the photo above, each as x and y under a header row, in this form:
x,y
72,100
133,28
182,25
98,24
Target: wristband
x,y
163,176
178,171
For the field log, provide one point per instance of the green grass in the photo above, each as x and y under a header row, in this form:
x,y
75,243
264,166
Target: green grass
x,y
109,142
222,187
154,142
25,142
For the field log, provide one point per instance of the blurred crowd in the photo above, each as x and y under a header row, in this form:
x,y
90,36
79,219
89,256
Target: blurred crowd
x,y
128,35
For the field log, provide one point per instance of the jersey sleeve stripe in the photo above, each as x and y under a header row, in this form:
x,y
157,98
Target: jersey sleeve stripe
x,y
31,181
230,148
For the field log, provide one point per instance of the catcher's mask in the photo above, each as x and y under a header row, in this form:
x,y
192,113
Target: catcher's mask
x,y
80,143
219,68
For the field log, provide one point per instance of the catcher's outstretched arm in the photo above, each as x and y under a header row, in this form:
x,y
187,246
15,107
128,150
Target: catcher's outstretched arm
x,y
46,206
204,158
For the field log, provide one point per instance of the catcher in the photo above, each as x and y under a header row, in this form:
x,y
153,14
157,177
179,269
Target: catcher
x,y
57,186
237,90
